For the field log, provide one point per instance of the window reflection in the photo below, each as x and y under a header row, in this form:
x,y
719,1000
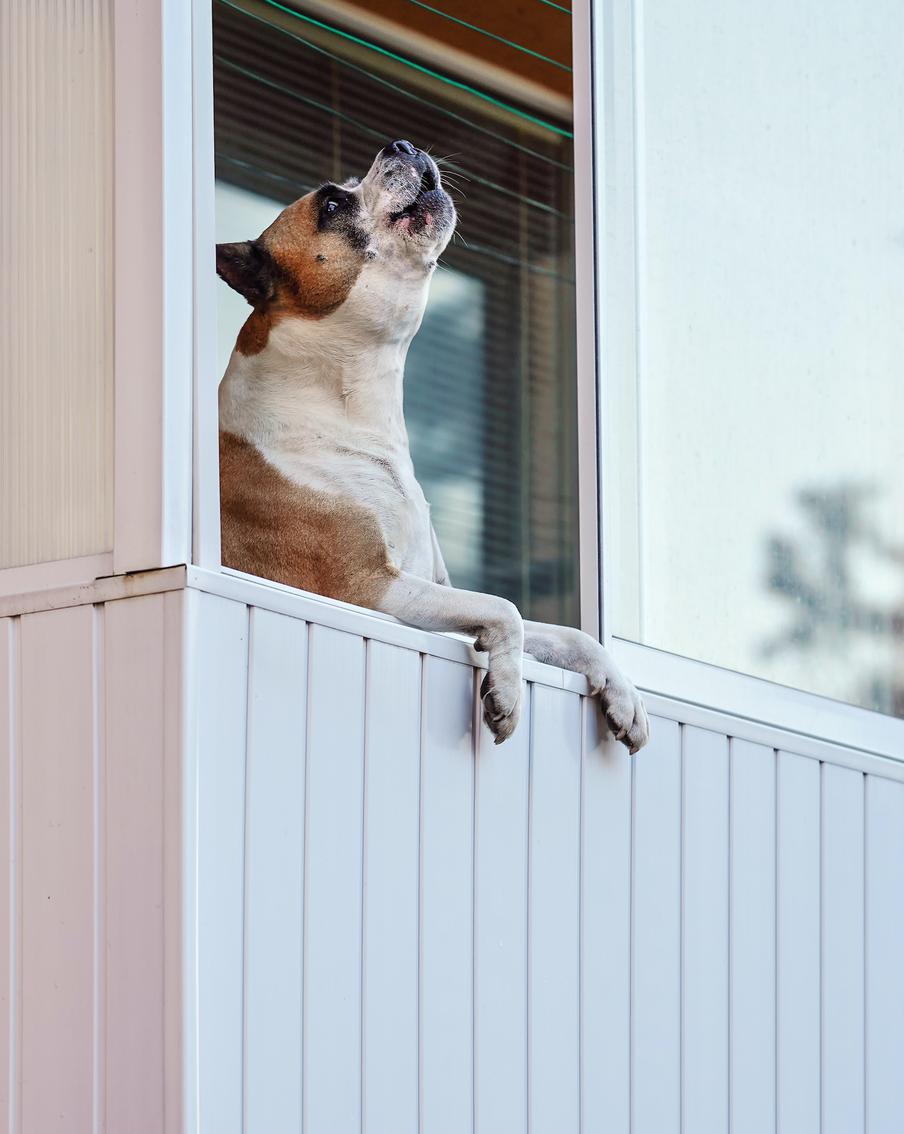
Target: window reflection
x,y
771,339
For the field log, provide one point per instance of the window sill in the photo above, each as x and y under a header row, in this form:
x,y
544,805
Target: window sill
x,y
368,623
760,710
677,688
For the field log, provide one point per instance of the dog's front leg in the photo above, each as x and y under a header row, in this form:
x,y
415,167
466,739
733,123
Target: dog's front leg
x,y
572,649
497,629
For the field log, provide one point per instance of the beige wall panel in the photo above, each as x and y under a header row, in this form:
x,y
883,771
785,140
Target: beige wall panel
x,y
56,300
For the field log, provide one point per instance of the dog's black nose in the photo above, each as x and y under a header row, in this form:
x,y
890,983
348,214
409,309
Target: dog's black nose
x,y
401,147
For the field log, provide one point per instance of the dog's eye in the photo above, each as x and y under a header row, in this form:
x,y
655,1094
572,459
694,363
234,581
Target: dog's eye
x,y
330,206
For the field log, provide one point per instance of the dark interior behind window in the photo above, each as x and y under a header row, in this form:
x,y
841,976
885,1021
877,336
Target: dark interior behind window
x,y
490,384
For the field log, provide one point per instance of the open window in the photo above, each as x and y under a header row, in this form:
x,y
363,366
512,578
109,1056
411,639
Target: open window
x,y
309,91
643,238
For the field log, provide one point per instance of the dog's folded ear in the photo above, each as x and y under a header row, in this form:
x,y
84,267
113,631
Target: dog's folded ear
x,y
249,269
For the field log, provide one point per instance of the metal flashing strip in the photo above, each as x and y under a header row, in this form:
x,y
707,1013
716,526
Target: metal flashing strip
x,y
108,589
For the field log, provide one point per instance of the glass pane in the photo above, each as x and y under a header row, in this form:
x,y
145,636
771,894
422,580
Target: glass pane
x,y
771,315
490,396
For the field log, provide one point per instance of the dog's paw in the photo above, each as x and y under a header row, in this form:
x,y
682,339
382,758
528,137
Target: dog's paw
x,y
500,692
623,707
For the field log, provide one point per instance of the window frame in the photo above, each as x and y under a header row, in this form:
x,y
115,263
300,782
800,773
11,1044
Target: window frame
x,y
608,183
616,39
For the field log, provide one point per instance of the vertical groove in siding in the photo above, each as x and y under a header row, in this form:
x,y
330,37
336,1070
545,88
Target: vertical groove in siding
x,y
422,747
582,758
729,1022
475,744
776,930
9,886
305,855
682,838
98,660
56,121
253,614
529,915
822,967
864,975
362,913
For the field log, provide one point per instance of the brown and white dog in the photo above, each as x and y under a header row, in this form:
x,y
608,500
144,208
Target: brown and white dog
x,y
317,486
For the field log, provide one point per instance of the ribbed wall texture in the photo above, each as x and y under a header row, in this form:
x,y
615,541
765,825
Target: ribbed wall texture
x,y
404,928
56,315
89,854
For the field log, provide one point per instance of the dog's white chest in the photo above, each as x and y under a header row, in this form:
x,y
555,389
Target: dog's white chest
x,y
343,437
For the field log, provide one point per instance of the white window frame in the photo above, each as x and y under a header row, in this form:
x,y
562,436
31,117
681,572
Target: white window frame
x,y
607,187
618,123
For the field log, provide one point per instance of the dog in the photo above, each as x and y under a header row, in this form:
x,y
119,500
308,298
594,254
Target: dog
x,y
317,487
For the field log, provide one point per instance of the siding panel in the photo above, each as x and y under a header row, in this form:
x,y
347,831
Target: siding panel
x,y
222,675
704,947
656,978
606,929
842,950
56,239
554,925
480,949
59,932
884,953
9,863
334,805
798,951
752,961
274,870
500,948
134,699
446,946
391,830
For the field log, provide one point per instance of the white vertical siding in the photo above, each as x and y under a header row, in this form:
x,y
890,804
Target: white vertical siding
x,y
797,945
500,925
656,935
274,870
842,950
391,901
397,927
447,875
554,906
605,929
89,887
56,396
704,942
546,935
334,810
752,938
884,952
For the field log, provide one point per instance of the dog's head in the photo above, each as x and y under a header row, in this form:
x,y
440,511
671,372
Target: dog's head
x,y
364,248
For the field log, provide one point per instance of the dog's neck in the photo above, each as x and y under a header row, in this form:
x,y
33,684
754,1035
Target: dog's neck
x,y
312,376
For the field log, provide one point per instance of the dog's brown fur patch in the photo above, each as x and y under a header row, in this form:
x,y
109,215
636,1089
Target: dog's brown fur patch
x,y
282,531
315,272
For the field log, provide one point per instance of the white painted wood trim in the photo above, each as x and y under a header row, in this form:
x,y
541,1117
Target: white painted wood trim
x,y
206,498
739,697
55,574
618,124
100,590
616,303
585,175
152,283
